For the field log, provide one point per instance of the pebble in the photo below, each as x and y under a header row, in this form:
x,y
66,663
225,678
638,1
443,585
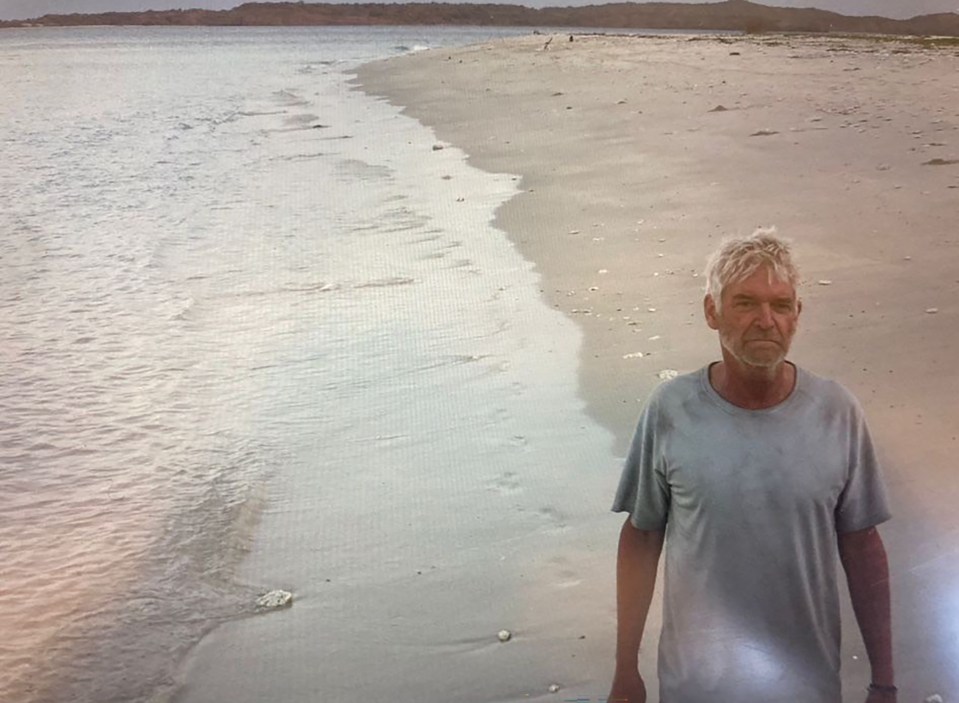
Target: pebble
x,y
934,698
504,635
667,374
275,599
824,282
932,311
554,688
634,355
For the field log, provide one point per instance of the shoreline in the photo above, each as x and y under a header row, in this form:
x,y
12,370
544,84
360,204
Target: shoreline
x,y
637,155
440,501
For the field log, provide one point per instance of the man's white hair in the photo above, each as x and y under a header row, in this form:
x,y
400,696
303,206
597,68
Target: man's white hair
x,y
738,258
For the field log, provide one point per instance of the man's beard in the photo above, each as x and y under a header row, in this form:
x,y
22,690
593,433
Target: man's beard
x,y
767,360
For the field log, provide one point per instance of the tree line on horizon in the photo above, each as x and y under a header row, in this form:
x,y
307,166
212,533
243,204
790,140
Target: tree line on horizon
x,y
731,15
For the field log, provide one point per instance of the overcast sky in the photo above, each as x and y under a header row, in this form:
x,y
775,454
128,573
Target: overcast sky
x,y
25,9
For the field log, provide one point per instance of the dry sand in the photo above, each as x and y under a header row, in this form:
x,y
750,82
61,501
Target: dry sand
x,y
638,155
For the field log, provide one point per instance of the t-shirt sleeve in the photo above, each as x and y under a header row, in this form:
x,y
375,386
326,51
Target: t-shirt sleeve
x,y
643,490
863,502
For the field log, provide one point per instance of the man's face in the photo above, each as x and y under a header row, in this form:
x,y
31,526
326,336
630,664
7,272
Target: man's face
x,y
758,319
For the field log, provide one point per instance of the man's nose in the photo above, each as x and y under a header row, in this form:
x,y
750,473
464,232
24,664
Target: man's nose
x,y
765,319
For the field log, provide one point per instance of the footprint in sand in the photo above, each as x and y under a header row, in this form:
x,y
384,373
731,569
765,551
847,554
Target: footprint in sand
x,y
506,483
556,520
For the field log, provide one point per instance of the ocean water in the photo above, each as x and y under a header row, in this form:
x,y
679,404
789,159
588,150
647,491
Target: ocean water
x,y
231,282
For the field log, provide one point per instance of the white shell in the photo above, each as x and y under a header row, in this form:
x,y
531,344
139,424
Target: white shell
x,y
504,635
667,374
554,688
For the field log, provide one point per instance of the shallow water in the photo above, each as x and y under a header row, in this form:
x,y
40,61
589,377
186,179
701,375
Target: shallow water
x,y
219,280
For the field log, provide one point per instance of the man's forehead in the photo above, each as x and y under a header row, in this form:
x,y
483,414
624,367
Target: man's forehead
x,y
763,280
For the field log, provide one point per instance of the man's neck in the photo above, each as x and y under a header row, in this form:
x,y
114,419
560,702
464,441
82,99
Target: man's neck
x,y
751,387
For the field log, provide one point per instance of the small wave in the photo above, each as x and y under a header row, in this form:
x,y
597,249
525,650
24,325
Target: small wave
x,y
182,308
263,113
403,49
386,282
311,67
320,287
300,157
288,97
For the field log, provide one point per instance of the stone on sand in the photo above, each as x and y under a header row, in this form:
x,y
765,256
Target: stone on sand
x,y
274,599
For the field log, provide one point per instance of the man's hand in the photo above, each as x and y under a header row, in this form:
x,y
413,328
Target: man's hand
x,y
867,571
636,562
628,687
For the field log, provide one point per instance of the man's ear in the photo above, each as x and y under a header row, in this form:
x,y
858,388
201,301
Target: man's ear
x,y
798,307
709,310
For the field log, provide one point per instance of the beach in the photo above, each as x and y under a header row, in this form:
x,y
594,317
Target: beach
x,y
338,312
637,155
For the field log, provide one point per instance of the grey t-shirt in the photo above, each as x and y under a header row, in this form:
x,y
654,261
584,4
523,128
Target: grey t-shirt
x,y
751,502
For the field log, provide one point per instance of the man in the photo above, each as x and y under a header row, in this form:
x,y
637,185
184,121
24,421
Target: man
x,y
756,474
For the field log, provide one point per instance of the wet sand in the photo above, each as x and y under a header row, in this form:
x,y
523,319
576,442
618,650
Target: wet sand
x,y
637,155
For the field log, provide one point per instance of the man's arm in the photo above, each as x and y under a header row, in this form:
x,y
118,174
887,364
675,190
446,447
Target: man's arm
x,y
636,564
863,558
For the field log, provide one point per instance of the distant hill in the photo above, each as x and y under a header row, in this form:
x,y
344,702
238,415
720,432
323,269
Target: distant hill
x,y
734,15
